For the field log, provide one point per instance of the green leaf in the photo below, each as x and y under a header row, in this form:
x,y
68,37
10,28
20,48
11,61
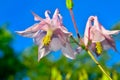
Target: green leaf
x,y
55,74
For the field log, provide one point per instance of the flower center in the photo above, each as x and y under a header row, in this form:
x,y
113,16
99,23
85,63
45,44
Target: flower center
x,y
99,48
47,38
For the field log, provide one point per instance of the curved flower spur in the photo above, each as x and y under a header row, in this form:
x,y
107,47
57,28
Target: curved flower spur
x,y
50,35
99,38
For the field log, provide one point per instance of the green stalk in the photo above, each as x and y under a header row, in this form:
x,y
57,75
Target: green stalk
x,y
93,58
98,64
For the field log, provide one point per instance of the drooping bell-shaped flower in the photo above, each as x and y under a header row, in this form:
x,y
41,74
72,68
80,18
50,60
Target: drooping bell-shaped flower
x,y
50,35
97,37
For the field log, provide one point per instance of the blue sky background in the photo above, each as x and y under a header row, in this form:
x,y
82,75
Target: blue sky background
x,y
18,14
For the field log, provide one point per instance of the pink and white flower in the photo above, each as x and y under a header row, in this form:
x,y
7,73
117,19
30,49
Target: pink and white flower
x,y
98,37
50,35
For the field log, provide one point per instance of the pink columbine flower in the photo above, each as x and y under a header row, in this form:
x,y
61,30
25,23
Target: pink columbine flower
x,y
50,35
98,37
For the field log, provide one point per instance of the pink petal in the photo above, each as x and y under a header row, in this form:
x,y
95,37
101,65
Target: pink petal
x,y
60,19
68,51
47,14
95,35
102,29
36,17
62,32
55,15
107,32
55,44
27,34
37,26
110,42
106,46
33,28
38,38
96,23
87,30
42,52
30,32
65,31
62,36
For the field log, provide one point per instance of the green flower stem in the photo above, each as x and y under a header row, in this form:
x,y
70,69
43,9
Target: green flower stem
x,y
93,58
98,64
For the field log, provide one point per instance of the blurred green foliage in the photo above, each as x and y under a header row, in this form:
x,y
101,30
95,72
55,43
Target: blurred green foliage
x,y
116,26
9,63
25,66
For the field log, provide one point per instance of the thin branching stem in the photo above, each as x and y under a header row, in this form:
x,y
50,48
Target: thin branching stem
x,y
74,23
93,58
98,64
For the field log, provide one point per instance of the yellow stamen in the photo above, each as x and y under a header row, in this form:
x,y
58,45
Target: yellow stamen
x,y
99,48
47,38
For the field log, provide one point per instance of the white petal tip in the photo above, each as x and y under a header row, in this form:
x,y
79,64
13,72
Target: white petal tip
x,y
39,59
19,32
70,56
